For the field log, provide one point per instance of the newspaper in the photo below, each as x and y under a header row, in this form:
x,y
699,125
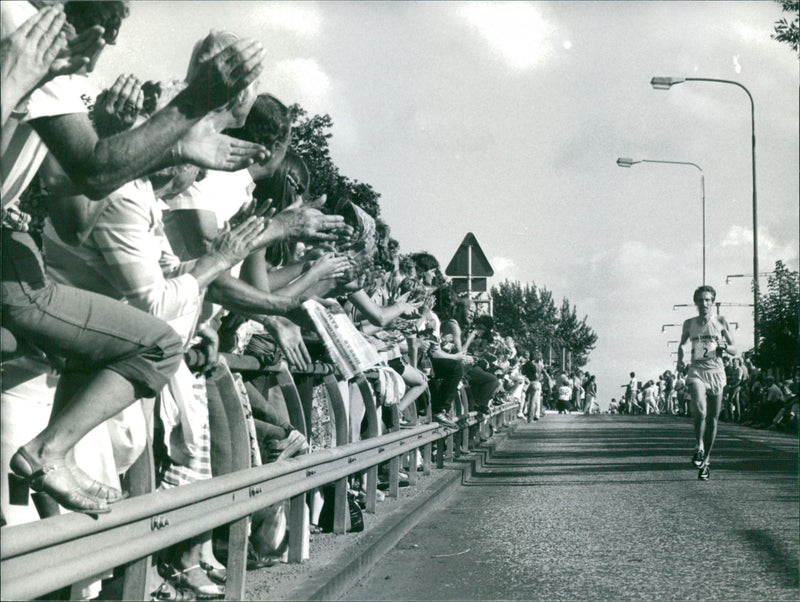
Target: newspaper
x,y
347,347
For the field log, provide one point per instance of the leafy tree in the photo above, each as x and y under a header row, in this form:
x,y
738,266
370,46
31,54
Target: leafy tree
x,y
788,31
310,139
530,315
778,313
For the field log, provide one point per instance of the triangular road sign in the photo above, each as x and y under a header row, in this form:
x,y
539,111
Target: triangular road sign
x,y
460,264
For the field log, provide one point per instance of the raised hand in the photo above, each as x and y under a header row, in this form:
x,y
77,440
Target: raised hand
x,y
232,245
27,55
205,147
330,267
223,76
306,223
117,108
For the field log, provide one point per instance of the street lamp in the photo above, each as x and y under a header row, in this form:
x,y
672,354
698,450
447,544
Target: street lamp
x,y
729,276
665,83
627,162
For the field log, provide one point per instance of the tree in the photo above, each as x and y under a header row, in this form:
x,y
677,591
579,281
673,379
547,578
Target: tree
x,y
530,315
788,31
778,313
310,139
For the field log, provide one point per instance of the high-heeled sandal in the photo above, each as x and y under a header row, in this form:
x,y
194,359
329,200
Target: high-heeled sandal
x,y
54,479
217,575
211,591
91,486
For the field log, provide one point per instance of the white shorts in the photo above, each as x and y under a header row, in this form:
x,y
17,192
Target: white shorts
x,y
711,380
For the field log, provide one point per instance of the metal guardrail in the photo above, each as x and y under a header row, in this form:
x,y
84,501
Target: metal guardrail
x,y
40,557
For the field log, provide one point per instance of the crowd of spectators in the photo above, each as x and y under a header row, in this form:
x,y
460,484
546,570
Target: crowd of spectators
x,y
751,397
152,218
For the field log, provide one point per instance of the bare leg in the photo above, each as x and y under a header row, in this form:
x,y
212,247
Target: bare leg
x,y
415,386
698,394
104,396
712,419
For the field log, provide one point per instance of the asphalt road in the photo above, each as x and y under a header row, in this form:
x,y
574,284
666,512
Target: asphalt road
x,y
609,508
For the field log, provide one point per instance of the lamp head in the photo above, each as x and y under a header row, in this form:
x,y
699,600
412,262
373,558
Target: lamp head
x,y
626,162
665,83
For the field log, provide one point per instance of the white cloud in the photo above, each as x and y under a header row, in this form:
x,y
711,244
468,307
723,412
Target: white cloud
x,y
502,264
298,18
300,78
515,30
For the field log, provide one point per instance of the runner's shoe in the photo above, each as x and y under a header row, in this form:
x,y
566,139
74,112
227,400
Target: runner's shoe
x,y
698,458
703,474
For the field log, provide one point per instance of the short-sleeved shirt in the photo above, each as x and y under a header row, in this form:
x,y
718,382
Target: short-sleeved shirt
x,y
60,96
126,255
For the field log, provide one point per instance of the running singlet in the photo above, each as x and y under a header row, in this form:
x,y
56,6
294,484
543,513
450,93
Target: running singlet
x,y
705,338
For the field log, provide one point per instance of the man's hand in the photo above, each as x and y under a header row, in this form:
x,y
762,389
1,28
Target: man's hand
x,y
117,108
204,146
289,337
224,75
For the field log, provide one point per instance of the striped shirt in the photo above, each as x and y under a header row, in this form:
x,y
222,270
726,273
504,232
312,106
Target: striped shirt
x,y
126,255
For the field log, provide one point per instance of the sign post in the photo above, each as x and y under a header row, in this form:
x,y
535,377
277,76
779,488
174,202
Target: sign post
x,y
469,268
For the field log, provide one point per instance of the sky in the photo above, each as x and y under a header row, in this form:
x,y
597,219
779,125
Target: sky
x,y
505,119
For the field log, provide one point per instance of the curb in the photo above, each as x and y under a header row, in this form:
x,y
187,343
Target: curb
x,y
341,576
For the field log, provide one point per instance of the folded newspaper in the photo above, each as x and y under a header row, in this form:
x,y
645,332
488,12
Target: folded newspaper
x,y
348,348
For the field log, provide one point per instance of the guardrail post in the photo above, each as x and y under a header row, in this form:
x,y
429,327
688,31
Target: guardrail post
x,y
372,431
341,506
238,531
394,463
297,505
140,479
296,526
427,450
440,445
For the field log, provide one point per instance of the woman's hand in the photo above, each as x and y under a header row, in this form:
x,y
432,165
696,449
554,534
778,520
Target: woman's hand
x,y
290,339
209,347
329,267
232,246
27,55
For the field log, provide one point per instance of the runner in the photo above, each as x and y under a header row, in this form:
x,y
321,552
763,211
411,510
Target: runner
x,y
711,338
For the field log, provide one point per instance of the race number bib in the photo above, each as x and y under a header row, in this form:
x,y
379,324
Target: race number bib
x,y
704,349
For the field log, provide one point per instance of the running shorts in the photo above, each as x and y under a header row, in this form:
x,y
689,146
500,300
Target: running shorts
x,y
712,380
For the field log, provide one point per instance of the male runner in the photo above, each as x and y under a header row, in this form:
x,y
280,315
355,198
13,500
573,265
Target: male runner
x,y
711,338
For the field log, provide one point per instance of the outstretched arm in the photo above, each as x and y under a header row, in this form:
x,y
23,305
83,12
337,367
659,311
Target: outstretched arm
x,y
100,166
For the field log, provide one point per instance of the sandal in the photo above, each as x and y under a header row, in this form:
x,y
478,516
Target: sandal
x,y
210,591
56,480
217,575
94,488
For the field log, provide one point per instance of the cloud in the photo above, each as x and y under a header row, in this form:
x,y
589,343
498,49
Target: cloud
x,y
502,264
300,78
515,30
297,18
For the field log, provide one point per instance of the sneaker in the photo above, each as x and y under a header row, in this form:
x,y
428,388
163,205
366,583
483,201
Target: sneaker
x,y
281,449
698,458
703,474
444,420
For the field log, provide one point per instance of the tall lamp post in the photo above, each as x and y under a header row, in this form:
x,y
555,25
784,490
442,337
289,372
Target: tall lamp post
x,y
626,162
665,83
